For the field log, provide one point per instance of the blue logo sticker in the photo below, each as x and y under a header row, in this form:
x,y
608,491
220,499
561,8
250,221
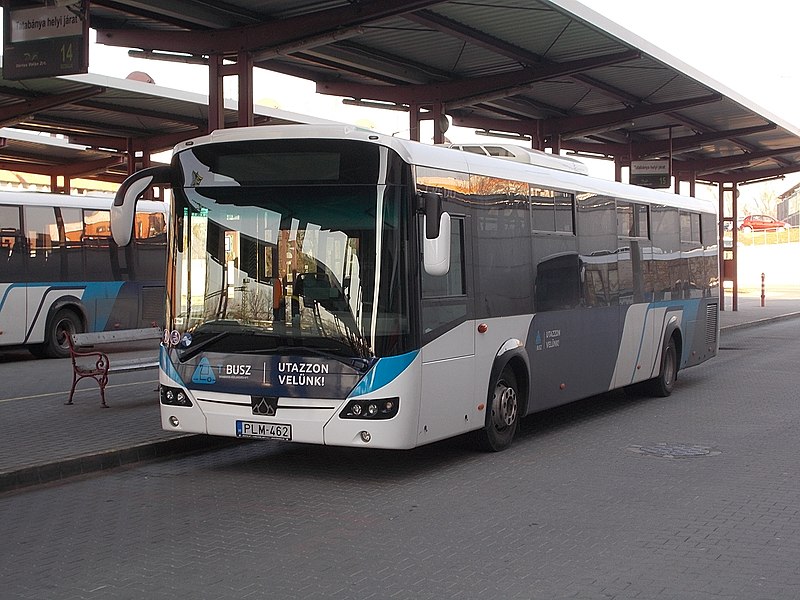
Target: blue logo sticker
x,y
204,373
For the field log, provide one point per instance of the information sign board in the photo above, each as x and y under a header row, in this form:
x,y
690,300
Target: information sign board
x,y
650,173
45,41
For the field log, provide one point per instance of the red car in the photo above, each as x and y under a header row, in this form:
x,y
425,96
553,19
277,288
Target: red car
x,y
762,223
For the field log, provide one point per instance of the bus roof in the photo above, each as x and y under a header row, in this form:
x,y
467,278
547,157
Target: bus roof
x,y
417,153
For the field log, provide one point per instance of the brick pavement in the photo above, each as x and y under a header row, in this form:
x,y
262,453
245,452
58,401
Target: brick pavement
x,y
573,510
42,440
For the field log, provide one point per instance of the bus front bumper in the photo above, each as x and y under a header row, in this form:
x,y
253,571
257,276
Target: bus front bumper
x,y
312,421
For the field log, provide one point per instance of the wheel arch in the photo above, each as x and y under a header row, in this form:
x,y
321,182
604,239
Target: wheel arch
x,y
512,354
673,332
68,302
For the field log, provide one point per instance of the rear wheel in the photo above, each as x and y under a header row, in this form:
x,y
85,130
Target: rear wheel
x,y
663,385
502,415
64,323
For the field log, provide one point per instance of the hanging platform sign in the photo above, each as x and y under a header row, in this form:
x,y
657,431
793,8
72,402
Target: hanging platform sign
x,y
650,173
45,41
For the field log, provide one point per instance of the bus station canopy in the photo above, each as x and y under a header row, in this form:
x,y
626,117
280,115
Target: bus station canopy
x,y
551,71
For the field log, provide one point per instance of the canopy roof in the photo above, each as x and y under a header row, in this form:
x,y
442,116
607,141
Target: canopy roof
x,y
552,70
101,120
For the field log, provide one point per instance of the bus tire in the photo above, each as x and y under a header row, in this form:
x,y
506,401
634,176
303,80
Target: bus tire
x,y
64,322
502,413
663,385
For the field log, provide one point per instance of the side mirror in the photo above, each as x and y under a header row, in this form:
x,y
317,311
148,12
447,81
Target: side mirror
x,y
433,211
124,207
436,250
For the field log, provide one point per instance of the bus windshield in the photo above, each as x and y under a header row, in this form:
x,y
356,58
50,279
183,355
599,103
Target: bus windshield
x,y
265,267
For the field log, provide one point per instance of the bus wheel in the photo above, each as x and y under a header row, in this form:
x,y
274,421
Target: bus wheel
x,y
663,385
502,414
64,323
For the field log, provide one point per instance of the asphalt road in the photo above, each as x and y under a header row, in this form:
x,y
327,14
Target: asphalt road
x,y
692,497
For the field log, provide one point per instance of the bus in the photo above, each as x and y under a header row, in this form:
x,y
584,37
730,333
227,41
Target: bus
x,y
331,285
62,273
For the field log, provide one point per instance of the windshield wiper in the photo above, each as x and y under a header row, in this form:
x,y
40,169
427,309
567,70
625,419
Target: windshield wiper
x,y
192,351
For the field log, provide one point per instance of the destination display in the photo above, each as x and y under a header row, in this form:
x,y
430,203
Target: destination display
x,y
276,376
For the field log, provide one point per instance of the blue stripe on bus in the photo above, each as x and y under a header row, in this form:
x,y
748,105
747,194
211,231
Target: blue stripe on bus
x,y
102,290
99,313
167,367
690,307
385,371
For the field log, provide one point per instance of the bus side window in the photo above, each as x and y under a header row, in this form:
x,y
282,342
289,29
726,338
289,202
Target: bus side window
x,y
150,228
9,230
44,242
452,284
445,297
97,245
73,242
12,251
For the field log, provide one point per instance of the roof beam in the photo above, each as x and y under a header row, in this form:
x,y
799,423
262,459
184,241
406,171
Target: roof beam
x,y
462,92
642,150
583,125
749,177
17,112
712,165
608,121
181,13
90,167
474,36
370,63
155,143
145,113
280,33
73,169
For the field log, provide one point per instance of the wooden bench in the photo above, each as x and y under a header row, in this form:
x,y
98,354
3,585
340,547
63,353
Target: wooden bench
x,y
97,365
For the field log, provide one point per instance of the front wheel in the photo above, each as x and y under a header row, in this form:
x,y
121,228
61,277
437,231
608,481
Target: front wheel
x,y
502,414
663,385
64,323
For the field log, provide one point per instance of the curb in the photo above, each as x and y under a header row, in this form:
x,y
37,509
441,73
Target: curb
x,y
109,459
757,322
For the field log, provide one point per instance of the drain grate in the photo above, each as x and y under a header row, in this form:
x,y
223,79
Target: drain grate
x,y
665,450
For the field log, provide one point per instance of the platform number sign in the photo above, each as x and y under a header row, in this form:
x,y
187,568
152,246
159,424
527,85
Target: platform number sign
x,y
651,173
45,40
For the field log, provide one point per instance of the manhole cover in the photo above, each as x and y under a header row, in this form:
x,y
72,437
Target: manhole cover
x,y
665,450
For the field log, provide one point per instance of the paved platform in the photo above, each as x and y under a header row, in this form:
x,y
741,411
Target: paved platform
x,y
41,440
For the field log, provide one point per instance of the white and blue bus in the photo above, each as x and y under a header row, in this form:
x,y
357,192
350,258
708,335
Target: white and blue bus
x,y
331,285
62,273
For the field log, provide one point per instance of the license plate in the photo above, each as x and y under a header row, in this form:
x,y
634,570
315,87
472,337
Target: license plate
x,y
267,431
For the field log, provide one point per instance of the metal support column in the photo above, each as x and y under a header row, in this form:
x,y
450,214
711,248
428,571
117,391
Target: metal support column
x,y
728,243
59,189
217,71
617,169
413,121
555,142
439,123
216,95
244,62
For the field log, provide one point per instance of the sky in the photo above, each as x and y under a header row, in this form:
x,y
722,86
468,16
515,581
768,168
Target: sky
x,y
749,47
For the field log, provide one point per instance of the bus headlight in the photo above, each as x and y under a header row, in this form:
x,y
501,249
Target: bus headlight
x,y
172,396
372,409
